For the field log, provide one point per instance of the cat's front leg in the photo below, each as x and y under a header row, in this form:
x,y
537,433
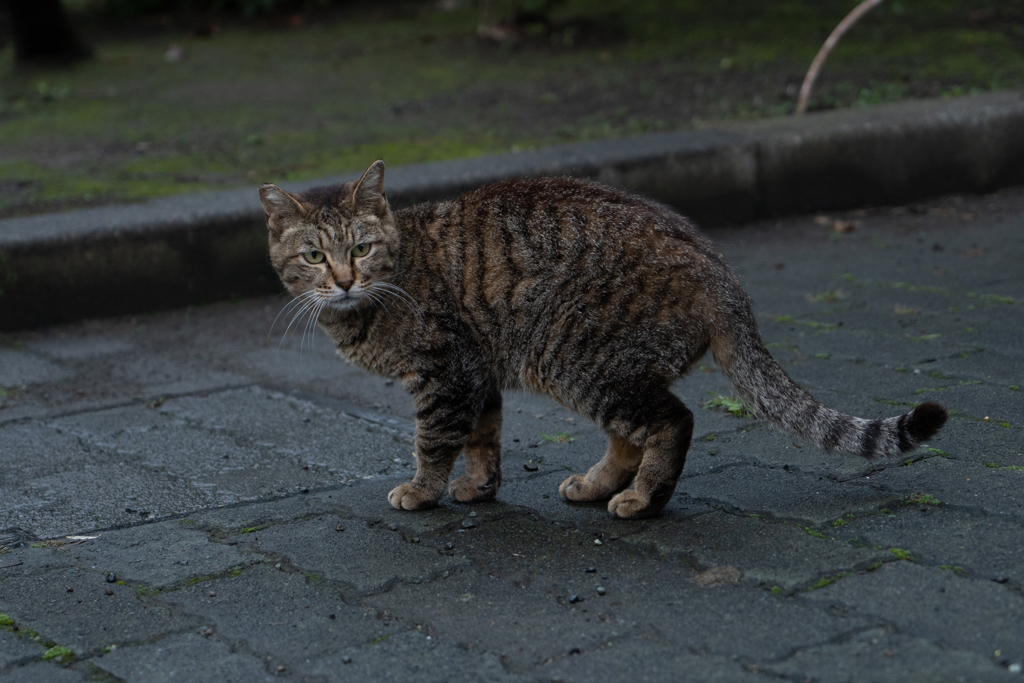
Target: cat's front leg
x,y
446,414
483,455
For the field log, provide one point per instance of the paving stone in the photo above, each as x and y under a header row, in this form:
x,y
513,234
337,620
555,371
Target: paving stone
x,y
67,347
285,615
21,368
785,495
648,662
976,615
364,557
43,672
16,650
160,558
411,657
966,484
768,553
517,599
70,607
979,546
755,442
34,561
236,518
188,657
880,654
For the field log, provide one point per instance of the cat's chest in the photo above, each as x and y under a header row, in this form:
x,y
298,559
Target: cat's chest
x,y
370,347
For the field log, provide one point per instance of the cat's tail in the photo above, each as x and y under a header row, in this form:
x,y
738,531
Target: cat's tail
x,y
770,394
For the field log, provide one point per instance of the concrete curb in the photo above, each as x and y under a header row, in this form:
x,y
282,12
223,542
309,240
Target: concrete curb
x,y
189,249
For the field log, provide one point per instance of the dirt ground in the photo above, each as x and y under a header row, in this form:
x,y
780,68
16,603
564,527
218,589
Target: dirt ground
x,y
175,104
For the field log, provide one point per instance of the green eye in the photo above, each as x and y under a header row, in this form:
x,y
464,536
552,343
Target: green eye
x,y
313,256
360,250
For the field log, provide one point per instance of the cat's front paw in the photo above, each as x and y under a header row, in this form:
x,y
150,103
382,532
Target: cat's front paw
x,y
632,505
582,490
466,489
409,496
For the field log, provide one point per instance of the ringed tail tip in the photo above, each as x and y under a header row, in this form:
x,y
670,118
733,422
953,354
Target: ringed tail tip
x,y
925,420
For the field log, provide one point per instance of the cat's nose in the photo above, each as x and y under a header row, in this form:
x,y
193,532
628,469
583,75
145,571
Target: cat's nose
x,y
345,284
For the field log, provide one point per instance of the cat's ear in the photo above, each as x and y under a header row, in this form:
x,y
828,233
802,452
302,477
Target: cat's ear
x,y
368,195
279,206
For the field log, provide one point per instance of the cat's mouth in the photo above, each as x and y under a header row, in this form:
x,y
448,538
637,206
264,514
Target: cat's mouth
x,y
345,301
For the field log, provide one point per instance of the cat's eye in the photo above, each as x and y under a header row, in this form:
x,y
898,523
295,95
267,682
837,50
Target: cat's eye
x,y
361,250
313,256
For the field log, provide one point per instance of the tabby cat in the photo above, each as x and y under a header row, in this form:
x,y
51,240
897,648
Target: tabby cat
x,y
594,297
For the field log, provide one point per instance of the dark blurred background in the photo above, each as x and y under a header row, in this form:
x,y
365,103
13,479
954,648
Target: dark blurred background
x,y
118,100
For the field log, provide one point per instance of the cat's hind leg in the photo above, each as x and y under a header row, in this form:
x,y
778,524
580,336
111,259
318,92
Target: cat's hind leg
x,y
666,439
613,473
483,456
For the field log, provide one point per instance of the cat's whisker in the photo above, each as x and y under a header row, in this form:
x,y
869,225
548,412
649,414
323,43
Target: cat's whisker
x,y
384,284
310,328
306,306
294,302
377,301
297,301
400,294
305,327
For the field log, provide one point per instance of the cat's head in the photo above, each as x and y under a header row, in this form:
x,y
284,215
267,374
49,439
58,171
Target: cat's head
x,y
334,243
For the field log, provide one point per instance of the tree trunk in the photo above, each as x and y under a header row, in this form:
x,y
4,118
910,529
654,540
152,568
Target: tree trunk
x,y
42,33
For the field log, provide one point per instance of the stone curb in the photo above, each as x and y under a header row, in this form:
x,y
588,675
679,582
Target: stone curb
x,y
192,249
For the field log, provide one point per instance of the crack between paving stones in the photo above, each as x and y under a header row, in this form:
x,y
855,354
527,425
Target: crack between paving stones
x,y
839,639
121,404
401,425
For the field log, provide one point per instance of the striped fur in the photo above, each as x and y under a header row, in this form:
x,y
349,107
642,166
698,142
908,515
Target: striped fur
x,y
595,297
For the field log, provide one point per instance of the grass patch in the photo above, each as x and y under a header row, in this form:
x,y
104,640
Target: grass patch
x,y
923,499
889,402
952,568
564,437
840,522
732,405
827,581
993,298
379,80
828,296
965,383
901,554
811,531
6,622
938,451
62,654
997,466
790,320
921,288
254,529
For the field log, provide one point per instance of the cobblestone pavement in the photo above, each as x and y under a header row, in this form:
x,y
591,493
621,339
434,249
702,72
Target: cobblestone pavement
x,y
238,484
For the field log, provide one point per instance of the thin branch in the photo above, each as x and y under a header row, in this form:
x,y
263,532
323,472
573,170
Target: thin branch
x,y
819,59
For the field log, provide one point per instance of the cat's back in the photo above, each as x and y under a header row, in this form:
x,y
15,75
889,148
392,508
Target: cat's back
x,y
538,223
542,207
